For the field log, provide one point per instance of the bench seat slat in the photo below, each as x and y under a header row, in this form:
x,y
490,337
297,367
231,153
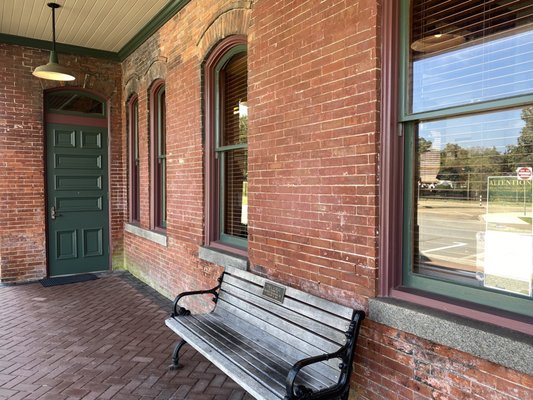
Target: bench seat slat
x,y
263,340
269,308
324,317
221,360
336,309
270,368
266,374
273,360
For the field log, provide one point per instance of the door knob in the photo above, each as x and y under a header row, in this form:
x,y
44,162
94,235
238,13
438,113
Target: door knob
x,y
53,213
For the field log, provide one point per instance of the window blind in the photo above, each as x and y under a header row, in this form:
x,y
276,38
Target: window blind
x,y
234,160
464,52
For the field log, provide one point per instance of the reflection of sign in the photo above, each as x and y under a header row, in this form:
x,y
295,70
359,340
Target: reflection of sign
x,y
508,189
244,210
274,292
508,262
524,173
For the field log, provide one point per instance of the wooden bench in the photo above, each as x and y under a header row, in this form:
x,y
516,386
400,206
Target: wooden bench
x,y
275,341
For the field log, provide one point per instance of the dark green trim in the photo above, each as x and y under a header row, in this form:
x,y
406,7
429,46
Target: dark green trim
x,y
408,201
161,158
152,27
434,285
234,240
232,147
61,48
404,58
484,296
485,106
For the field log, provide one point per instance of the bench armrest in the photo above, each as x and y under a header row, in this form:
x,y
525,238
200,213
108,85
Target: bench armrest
x,y
345,354
177,310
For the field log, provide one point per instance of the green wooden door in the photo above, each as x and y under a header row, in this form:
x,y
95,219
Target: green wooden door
x,y
77,194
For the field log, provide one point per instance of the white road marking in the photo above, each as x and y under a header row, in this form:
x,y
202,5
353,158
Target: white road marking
x,y
456,244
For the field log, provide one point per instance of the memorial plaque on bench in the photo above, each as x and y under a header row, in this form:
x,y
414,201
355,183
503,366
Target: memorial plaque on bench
x,y
274,292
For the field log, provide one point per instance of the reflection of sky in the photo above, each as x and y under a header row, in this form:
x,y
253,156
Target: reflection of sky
x,y
491,70
497,129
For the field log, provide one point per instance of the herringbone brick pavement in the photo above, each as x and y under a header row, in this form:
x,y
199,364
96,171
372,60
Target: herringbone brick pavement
x,y
103,339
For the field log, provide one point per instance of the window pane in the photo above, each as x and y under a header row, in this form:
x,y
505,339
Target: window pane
x,y
235,193
235,118
161,217
74,102
134,160
473,218
234,160
464,52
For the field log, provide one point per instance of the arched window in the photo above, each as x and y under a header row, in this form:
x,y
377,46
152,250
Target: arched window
x,y
158,155
226,80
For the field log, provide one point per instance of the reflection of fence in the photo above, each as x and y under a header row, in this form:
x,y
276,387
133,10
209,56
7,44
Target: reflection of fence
x,y
441,193
496,189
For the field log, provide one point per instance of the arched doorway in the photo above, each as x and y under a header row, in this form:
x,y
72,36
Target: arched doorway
x,y
76,182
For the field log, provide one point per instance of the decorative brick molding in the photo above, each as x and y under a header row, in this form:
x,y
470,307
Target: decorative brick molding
x,y
229,22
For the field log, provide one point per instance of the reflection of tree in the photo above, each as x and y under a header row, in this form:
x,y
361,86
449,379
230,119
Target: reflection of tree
x,y
453,161
521,154
424,145
468,168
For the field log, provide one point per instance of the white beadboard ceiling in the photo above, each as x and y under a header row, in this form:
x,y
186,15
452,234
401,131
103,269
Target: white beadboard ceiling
x,y
97,24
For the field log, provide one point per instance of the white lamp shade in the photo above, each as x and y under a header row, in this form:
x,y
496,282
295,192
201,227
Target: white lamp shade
x,y
53,71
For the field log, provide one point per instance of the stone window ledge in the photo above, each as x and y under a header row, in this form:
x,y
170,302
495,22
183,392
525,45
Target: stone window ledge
x,y
146,234
222,258
499,345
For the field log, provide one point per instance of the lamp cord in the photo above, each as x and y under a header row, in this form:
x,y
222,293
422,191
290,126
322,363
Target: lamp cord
x,y
54,29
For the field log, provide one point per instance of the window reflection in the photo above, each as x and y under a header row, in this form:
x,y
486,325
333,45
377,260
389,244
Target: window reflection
x,y
473,222
70,102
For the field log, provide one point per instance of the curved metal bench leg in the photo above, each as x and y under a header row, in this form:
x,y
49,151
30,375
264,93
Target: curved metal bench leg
x,y
175,355
345,394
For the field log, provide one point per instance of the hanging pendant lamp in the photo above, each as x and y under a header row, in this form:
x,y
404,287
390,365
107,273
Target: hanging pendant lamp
x,y
53,71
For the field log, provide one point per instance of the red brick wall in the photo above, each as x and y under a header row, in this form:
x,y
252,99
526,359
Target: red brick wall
x,y
313,145
176,54
396,365
22,193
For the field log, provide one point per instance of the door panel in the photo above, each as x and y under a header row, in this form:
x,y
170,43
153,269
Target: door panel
x,y
77,186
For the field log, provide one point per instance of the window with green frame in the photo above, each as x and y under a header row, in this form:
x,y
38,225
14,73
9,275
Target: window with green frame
x,y
227,144
158,150
133,160
466,109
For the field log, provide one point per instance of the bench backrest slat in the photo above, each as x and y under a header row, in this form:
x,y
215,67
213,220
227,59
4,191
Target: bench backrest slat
x,y
268,310
302,308
317,302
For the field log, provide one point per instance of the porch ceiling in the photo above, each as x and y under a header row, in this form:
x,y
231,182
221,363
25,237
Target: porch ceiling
x,y
111,26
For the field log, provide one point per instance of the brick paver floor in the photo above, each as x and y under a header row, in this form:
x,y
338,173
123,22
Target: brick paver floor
x,y
103,339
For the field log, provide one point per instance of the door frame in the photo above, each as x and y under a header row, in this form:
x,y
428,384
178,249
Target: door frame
x,y
105,122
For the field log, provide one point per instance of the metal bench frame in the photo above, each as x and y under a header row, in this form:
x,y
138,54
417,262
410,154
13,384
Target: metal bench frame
x,y
294,391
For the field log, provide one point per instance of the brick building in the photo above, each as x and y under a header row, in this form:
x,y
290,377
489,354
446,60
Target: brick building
x,y
284,137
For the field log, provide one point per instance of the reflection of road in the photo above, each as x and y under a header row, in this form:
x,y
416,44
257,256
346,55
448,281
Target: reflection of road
x,y
447,232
